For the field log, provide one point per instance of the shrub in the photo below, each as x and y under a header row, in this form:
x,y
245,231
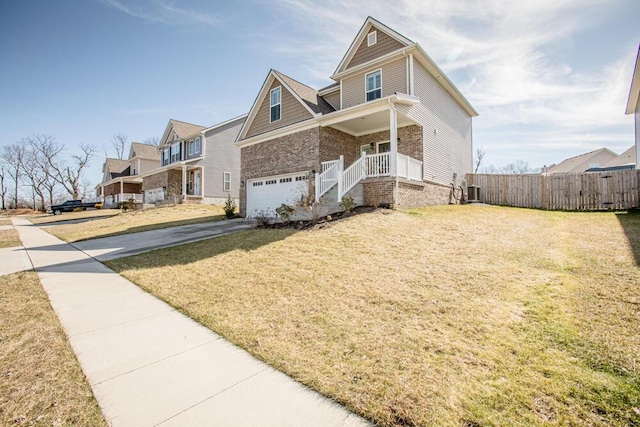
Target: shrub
x,y
99,205
229,207
347,204
285,212
127,204
263,218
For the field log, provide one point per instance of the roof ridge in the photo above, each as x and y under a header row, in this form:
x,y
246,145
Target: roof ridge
x,y
291,78
187,123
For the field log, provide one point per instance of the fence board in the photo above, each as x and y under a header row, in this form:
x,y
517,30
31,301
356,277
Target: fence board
x,y
614,190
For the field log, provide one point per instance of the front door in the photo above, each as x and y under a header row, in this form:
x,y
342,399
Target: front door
x,y
196,190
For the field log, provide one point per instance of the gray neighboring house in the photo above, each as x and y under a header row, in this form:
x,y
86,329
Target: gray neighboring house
x,y
197,164
633,105
583,162
391,129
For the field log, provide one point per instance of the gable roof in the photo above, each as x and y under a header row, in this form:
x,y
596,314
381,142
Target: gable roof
x,y
626,158
182,129
634,91
364,30
145,151
568,165
305,95
115,168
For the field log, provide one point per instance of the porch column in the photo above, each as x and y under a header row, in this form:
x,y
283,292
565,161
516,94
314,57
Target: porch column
x,y
393,140
184,182
121,189
102,193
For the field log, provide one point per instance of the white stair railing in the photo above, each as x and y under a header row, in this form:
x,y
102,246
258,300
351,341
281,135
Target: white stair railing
x,y
353,175
378,164
331,175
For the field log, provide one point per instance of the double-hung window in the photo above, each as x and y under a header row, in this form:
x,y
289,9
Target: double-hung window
x,y
192,145
176,153
198,143
227,181
275,104
373,83
165,157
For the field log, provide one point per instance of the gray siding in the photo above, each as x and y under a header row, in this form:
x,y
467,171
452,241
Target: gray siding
x,y
221,156
447,133
637,114
291,111
384,45
186,150
333,99
394,79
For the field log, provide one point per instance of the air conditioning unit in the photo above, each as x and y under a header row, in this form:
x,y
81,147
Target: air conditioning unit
x,y
473,194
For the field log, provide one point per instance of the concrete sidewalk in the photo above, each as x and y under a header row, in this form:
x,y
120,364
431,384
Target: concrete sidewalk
x,y
149,365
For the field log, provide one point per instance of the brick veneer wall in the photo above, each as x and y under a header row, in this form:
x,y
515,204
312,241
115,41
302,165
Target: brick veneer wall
x,y
113,189
410,143
334,143
288,154
427,194
378,190
170,179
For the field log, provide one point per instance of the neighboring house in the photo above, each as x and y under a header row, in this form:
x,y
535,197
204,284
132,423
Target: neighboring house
x,y
626,160
392,130
121,179
633,105
197,164
583,162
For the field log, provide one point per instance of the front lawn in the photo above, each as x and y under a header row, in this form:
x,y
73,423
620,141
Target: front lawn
x,y
136,221
42,382
9,238
453,315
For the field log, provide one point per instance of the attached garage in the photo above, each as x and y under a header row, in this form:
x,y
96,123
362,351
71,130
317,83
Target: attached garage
x,y
268,193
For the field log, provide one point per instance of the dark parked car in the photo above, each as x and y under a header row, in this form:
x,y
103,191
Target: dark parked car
x,y
70,206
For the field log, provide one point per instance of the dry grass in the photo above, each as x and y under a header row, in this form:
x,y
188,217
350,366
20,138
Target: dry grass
x,y
45,218
9,238
136,221
462,315
5,221
42,383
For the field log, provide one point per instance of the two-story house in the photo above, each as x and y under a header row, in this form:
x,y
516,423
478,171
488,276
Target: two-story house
x,y
633,105
392,130
122,179
197,164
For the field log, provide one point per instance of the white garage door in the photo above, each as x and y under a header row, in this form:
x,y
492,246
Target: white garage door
x,y
268,193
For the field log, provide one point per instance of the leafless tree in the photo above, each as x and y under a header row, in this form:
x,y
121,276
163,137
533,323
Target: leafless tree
x,y
479,156
119,142
13,156
3,188
44,152
152,140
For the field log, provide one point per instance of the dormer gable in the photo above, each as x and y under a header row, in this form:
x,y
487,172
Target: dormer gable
x,y
179,130
374,40
282,101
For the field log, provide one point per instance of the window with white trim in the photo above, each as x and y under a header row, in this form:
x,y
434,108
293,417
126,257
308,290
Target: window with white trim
x,y
165,157
275,104
198,145
176,152
373,83
372,38
226,184
192,145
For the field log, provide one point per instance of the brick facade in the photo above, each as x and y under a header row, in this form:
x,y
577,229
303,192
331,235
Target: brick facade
x,y
334,143
412,195
170,180
113,189
410,143
378,190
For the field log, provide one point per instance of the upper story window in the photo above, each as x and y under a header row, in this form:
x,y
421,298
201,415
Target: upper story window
x,y
372,38
374,85
176,152
275,104
165,157
194,146
198,145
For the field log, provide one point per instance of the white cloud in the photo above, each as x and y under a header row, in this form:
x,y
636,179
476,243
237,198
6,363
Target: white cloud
x,y
165,13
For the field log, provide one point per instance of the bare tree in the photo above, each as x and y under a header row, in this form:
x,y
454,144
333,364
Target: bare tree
x,y
44,152
479,156
35,178
119,142
13,156
3,188
152,140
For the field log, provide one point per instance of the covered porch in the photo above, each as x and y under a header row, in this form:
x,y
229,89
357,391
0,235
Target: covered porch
x,y
121,189
191,180
379,141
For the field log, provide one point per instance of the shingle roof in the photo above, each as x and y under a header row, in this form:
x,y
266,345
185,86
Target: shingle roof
x,y
568,165
116,167
146,151
626,158
307,94
331,86
184,129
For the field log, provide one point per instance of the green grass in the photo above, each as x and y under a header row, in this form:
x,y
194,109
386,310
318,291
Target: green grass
x,y
454,315
42,383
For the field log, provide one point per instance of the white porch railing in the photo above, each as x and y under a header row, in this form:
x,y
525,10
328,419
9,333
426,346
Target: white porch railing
x,y
127,196
367,166
330,175
409,168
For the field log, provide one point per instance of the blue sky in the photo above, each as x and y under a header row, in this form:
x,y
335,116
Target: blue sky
x,y
549,78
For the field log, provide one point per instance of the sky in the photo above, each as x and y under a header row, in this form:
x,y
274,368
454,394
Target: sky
x,y
549,78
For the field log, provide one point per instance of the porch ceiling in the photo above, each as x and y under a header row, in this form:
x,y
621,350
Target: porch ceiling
x,y
370,123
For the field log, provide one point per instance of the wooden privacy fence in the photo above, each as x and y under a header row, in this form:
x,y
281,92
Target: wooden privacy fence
x,y
589,191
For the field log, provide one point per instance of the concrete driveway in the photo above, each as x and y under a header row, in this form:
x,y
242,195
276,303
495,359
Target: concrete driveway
x,y
108,248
